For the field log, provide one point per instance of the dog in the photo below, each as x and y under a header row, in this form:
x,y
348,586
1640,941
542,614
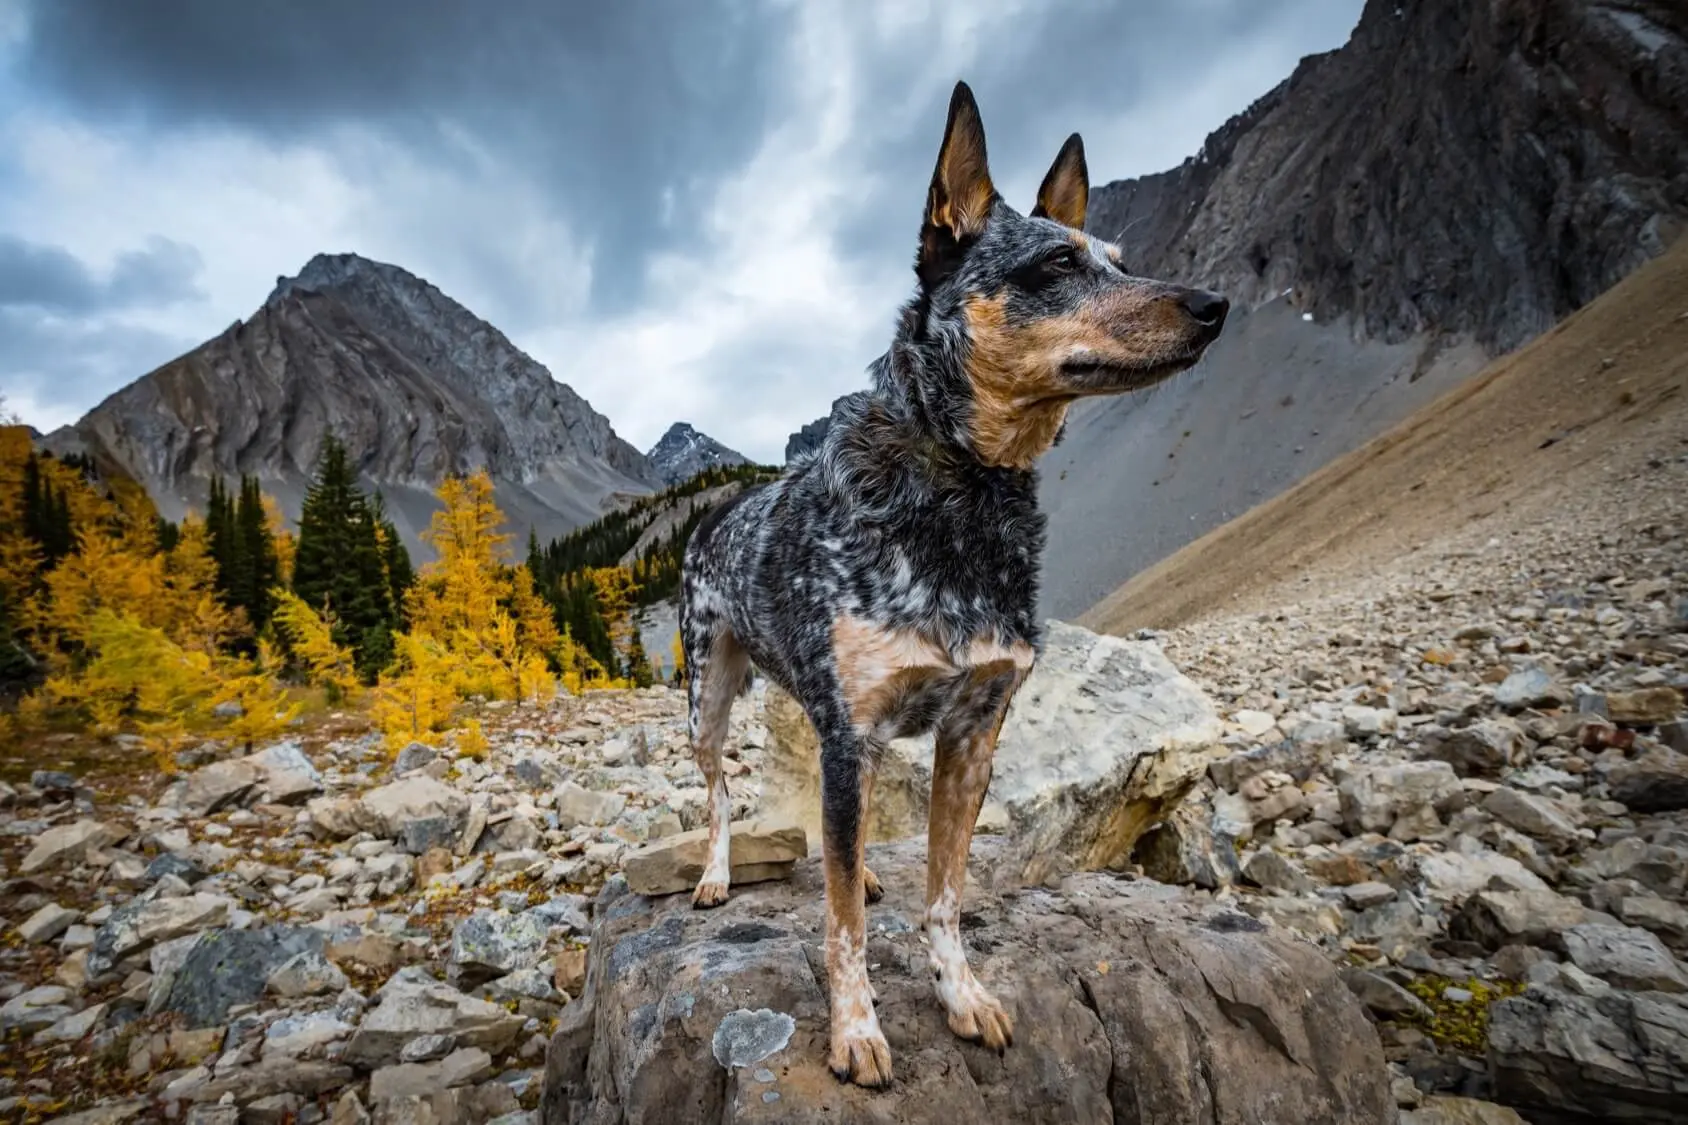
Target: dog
x,y
889,580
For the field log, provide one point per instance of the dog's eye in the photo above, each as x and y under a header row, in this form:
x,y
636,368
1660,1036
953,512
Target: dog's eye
x,y
1061,262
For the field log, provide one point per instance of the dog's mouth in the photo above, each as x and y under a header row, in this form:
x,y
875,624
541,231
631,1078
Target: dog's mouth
x,y
1102,377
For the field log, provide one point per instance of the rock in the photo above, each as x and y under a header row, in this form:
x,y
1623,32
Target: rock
x,y
1655,782
413,1004
1646,707
576,806
1483,749
1297,757
217,786
489,943
1386,999
1266,868
402,810
1497,918
54,784
1253,723
1666,919
308,973
413,757
1136,1000
1625,956
427,1048
68,844
758,850
1528,687
225,968
334,817
276,1075
172,864
1271,795
569,971
139,924
287,777
306,1035
1616,1058
349,1110
1373,799
1364,896
1184,849
404,1080
1460,1111
47,923
1537,816
1103,739
35,1009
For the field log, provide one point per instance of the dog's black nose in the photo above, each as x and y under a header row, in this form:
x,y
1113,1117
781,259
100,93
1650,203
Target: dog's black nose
x,y
1207,308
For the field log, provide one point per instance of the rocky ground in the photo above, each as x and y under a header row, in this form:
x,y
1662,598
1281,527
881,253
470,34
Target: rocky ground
x,y
319,932
1465,775
1462,777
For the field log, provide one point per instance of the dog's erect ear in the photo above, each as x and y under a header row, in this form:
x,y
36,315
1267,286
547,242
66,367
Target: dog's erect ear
x,y
1066,189
960,199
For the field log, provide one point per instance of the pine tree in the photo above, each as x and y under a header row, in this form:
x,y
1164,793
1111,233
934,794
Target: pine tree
x,y
638,664
258,567
338,564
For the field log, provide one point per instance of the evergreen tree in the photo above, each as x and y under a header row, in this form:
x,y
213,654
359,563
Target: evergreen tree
x,y
258,569
338,566
219,526
638,664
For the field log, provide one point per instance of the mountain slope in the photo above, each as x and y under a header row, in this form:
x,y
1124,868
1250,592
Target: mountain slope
x,y
1446,185
682,453
1590,401
413,383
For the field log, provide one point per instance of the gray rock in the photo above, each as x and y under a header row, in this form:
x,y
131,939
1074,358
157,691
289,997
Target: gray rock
x,y
47,923
1103,740
1528,687
1536,816
216,786
427,1048
1498,918
389,809
139,924
413,1004
36,1009
306,1035
307,973
1266,868
1655,782
744,1037
1384,998
413,757
68,844
177,866
1373,799
1183,849
287,776
53,783
488,944
225,968
1483,749
1139,997
1618,1058
1625,956
577,805
405,1080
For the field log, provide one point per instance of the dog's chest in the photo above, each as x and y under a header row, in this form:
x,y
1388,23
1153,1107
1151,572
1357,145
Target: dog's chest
x,y
899,681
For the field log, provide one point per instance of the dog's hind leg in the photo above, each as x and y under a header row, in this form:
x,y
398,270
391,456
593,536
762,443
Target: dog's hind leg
x,y
961,771
717,667
858,1052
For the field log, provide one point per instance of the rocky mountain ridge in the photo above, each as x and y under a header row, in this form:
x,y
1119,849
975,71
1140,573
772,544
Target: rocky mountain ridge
x,y
683,452
1449,183
412,382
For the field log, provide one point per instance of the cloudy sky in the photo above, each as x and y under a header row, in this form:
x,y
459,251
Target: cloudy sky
x,y
685,209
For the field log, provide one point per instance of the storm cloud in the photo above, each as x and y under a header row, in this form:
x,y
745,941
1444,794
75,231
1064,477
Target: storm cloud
x,y
684,209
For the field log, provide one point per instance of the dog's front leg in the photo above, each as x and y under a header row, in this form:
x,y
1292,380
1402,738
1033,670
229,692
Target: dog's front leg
x,y
859,1052
961,772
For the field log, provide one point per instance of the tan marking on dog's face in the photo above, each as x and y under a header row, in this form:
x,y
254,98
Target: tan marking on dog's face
x,y
1020,393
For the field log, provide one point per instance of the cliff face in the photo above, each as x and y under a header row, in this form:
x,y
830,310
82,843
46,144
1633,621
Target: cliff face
x,y
1465,169
1451,182
413,383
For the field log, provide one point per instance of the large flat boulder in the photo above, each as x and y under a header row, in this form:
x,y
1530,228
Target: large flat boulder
x,y
1103,738
1132,1002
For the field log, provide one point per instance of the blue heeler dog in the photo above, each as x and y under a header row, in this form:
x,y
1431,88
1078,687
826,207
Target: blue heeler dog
x,y
889,582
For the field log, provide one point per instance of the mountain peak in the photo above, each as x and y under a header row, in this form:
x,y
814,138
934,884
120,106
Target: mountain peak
x,y
683,452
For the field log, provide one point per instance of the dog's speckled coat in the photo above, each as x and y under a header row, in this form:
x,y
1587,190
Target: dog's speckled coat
x,y
889,582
